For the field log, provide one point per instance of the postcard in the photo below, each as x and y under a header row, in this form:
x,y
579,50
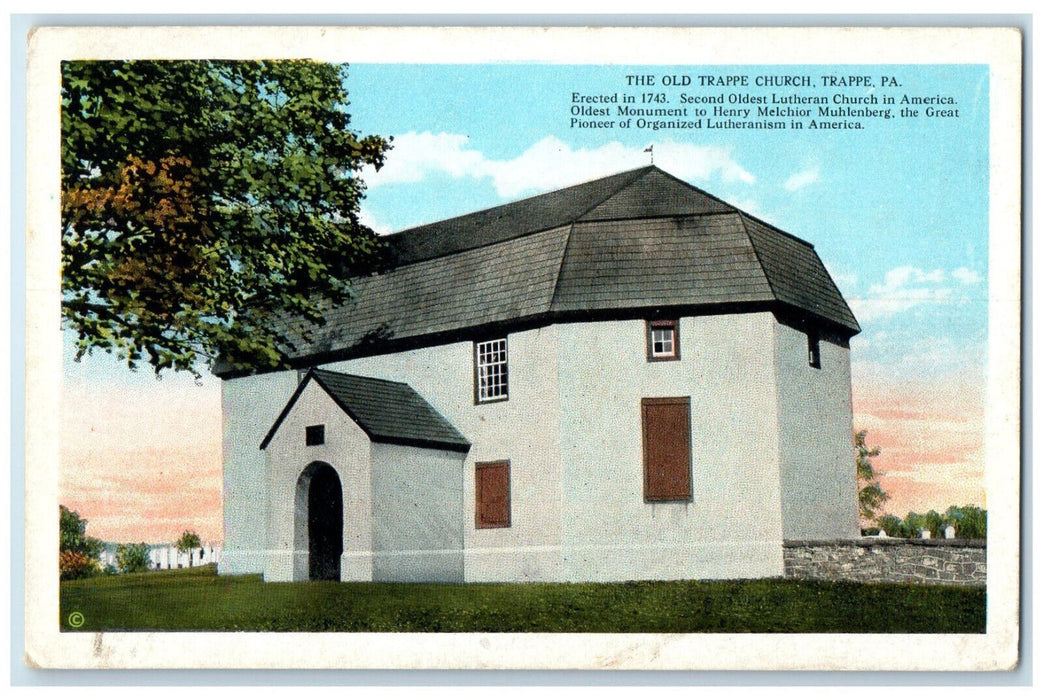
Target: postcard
x,y
523,348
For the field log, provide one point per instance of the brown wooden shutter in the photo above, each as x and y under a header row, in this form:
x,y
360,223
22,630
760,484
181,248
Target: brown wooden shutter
x,y
492,484
666,434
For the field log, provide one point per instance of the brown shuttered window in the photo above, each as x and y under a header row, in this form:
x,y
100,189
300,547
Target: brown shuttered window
x,y
492,485
666,436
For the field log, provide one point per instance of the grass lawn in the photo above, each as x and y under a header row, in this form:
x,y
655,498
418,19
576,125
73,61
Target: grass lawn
x,y
198,599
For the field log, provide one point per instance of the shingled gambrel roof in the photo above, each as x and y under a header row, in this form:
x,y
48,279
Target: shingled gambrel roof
x,y
796,273
388,412
636,242
502,223
504,282
677,261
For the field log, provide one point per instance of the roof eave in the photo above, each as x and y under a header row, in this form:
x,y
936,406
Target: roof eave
x,y
461,447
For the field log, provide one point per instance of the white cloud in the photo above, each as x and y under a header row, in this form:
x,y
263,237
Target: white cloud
x,y
966,276
416,156
547,164
907,287
906,280
367,218
800,180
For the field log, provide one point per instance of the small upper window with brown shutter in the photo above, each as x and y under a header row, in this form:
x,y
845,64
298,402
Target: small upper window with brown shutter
x,y
666,437
492,486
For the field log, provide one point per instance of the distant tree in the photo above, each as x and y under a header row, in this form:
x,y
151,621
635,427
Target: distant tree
x,y
914,523
871,496
893,526
77,552
933,521
188,541
131,558
200,199
970,521
74,565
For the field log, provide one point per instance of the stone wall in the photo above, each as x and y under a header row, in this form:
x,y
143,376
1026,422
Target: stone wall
x,y
871,559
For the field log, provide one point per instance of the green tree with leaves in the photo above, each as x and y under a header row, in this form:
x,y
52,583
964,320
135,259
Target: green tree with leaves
x,y
893,526
933,521
871,496
914,523
77,552
188,541
200,199
132,558
970,521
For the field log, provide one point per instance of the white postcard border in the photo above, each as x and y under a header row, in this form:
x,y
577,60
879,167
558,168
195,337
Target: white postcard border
x,y
997,649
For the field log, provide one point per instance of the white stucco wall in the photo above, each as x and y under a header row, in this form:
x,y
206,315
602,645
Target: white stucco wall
x,y
347,450
732,527
418,514
772,458
249,407
819,489
524,430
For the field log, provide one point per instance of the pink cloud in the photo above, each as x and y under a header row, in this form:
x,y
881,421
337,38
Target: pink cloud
x,y
930,432
143,464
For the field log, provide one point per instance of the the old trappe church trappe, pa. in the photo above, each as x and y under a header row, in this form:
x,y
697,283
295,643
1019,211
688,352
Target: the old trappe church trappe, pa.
x,y
624,379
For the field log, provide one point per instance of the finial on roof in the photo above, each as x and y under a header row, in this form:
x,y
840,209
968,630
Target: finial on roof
x,y
651,156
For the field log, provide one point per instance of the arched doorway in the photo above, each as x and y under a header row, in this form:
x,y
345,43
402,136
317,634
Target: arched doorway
x,y
319,490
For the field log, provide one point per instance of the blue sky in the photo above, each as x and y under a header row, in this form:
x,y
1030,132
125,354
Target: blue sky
x,y
898,212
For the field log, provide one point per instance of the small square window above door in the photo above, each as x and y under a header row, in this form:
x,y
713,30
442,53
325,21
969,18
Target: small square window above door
x,y
314,435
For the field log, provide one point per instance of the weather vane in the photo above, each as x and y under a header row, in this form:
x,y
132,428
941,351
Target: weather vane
x,y
651,156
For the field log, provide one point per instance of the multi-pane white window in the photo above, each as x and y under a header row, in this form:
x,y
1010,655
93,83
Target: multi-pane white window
x,y
662,340
490,367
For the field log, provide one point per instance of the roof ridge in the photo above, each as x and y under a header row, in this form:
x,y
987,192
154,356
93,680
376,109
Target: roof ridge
x,y
544,211
757,254
699,190
637,175
374,432
335,373
561,264
336,400
487,244
774,228
514,202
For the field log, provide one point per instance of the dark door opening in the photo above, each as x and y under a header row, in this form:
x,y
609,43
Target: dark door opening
x,y
325,525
